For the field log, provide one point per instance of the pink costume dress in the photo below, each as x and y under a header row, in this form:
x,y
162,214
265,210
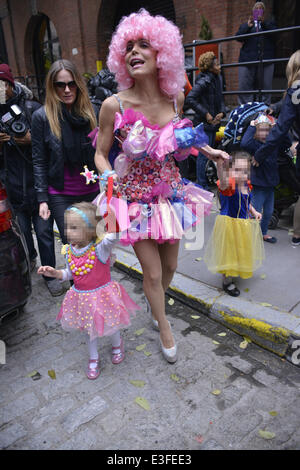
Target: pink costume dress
x,y
161,205
95,303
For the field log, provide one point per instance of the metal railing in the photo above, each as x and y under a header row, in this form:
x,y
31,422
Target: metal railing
x,y
261,62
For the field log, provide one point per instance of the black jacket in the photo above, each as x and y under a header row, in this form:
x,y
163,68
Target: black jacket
x,y
17,169
206,97
48,158
253,45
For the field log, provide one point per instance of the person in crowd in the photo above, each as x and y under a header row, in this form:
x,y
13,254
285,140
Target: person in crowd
x,y
253,49
265,177
95,303
60,143
146,54
289,116
206,99
235,247
17,170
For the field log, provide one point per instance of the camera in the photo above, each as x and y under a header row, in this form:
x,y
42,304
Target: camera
x,y
11,122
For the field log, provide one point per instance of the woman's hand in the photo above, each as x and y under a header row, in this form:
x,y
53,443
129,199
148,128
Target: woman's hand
x,y
254,162
214,154
50,272
44,211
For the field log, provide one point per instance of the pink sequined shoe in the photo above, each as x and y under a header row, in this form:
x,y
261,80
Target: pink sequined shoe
x,y
117,357
93,373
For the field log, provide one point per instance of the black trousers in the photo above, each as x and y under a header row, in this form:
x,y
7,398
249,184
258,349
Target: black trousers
x,y
28,216
58,203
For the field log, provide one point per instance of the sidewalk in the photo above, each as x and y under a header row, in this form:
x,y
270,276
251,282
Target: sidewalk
x,y
268,309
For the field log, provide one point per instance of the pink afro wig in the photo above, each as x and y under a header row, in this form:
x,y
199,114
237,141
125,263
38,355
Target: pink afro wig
x,y
164,37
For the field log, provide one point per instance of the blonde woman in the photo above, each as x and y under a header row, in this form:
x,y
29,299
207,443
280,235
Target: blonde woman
x,y
60,146
289,116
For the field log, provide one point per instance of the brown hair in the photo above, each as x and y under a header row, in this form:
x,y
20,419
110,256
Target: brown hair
x,y
82,106
206,61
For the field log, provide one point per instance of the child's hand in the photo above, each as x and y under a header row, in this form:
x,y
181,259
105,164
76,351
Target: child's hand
x,y
257,215
49,271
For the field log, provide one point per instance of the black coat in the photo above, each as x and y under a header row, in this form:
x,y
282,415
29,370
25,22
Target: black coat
x,y
206,97
253,45
289,115
17,169
48,158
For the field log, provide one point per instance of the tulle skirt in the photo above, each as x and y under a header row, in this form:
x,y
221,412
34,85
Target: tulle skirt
x,y
235,247
164,219
99,312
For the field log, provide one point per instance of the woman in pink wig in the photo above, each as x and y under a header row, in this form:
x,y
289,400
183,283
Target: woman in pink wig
x,y
147,57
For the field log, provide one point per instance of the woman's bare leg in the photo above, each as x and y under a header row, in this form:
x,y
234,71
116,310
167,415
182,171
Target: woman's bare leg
x,y
149,257
168,254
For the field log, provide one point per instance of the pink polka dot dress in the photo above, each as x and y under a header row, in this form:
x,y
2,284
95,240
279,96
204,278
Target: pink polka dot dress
x,y
95,303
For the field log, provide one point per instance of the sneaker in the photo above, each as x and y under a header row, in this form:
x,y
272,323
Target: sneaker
x,y
55,287
295,241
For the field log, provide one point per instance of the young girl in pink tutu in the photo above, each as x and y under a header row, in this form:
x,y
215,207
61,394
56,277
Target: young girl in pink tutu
x,y
95,303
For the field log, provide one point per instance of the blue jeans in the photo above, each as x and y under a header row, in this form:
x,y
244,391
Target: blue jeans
x,y
202,161
44,235
263,201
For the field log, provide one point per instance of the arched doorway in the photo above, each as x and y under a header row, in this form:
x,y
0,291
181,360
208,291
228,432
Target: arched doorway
x,y
111,12
46,49
155,7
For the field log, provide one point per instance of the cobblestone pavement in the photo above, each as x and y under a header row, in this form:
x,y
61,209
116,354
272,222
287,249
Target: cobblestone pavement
x,y
217,395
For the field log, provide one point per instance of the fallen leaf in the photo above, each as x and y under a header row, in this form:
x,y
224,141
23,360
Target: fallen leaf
x,y
244,344
139,332
199,259
52,374
265,304
147,353
273,413
141,347
216,392
137,383
175,377
195,317
263,276
171,301
143,403
34,375
187,246
266,434
215,342
221,334
246,290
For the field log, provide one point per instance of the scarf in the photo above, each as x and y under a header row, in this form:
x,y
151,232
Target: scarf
x,y
77,148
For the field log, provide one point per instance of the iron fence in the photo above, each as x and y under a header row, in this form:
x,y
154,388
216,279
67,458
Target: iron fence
x,y
260,63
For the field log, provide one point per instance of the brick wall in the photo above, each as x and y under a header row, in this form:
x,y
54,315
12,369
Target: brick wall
x,y
87,26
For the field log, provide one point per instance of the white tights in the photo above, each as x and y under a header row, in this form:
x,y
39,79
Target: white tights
x,y
93,346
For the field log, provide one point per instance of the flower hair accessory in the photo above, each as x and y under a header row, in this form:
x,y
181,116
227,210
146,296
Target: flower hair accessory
x,y
264,119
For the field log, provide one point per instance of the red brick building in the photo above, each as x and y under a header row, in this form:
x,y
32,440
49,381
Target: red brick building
x,y
34,33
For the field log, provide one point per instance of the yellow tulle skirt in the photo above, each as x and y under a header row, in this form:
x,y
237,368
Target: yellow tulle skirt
x,y
235,248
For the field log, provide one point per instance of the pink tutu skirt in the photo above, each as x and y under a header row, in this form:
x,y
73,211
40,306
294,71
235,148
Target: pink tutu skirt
x,y
99,312
167,219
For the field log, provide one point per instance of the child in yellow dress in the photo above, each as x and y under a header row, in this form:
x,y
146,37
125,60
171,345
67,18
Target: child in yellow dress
x,y
235,247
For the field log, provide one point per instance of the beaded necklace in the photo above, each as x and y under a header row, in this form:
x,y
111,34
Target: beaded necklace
x,y
88,265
